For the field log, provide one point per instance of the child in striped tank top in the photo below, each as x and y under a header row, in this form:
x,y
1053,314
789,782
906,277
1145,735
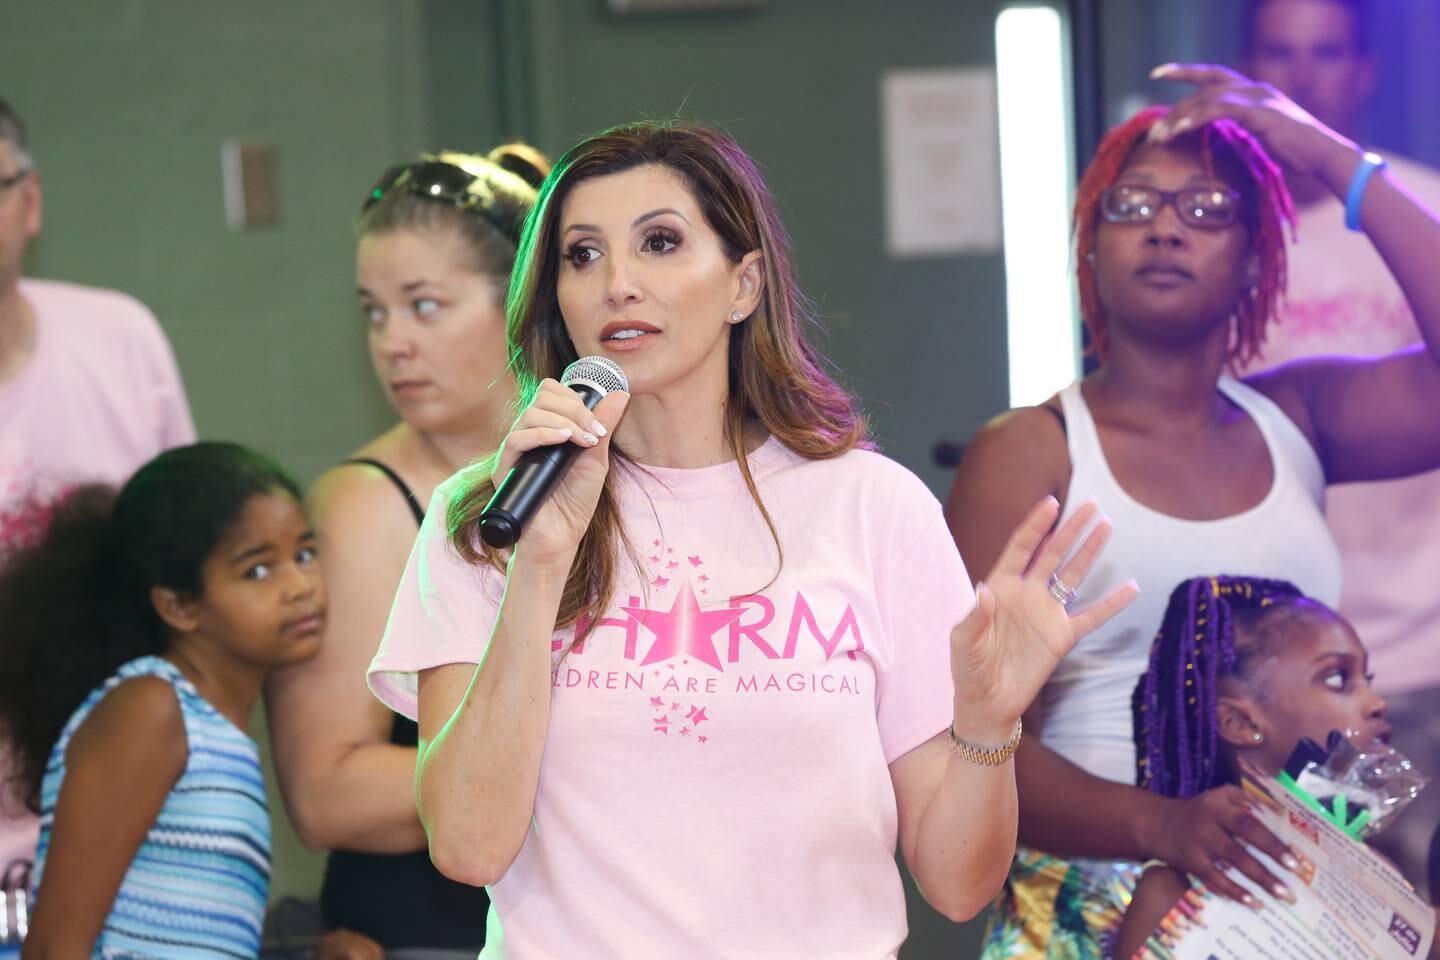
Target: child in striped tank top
x,y
137,635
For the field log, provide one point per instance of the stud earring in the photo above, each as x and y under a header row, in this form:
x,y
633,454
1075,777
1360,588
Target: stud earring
x,y
1090,257
1257,737
736,316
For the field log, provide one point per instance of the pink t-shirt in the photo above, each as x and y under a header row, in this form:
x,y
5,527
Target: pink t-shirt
x,y
99,396
1343,300
715,779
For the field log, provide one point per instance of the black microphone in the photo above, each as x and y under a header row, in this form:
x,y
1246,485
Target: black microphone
x,y
529,482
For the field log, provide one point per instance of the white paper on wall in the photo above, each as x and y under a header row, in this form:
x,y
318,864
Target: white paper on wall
x,y
941,157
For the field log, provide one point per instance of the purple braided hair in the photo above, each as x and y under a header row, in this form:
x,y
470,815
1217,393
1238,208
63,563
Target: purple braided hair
x,y
1177,736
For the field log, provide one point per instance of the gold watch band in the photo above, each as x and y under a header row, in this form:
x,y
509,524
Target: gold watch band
x,y
985,756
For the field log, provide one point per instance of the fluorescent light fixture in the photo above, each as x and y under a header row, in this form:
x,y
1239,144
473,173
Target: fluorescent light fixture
x,y
1036,186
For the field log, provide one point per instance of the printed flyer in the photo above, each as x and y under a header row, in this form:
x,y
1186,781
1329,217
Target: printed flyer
x,y
1351,904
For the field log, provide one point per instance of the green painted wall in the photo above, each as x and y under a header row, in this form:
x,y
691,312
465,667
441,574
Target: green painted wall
x,y
797,82
129,101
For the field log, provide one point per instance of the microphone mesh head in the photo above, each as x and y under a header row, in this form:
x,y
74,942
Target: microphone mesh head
x,y
598,373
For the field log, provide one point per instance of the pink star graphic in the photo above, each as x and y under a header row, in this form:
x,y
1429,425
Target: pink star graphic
x,y
655,558
702,738
659,581
703,578
674,706
662,721
704,592
656,702
684,731
669,549
697,716
672,565
695,561
655,543
685,629
661,730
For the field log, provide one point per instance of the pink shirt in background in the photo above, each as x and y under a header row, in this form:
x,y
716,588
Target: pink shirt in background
x,y
715,779
99,396
1343,300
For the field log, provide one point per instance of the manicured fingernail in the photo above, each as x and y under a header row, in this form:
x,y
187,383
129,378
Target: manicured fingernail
x,y
1290,862
566,432
590,438
1283,892
1161,70
598,428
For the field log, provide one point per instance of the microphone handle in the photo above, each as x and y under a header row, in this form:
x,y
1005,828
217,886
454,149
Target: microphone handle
x,y
527,485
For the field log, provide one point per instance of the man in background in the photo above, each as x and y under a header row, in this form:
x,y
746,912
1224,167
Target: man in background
x,y
89,391
1342,300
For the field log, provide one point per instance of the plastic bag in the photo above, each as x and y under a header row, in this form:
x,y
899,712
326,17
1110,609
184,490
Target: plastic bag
x,y
1358,786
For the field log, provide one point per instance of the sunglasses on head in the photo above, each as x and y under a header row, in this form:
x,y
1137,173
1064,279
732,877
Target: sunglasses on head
x,y
1209,208
444,183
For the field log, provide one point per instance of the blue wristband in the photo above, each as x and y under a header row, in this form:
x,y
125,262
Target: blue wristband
x,y
1369,163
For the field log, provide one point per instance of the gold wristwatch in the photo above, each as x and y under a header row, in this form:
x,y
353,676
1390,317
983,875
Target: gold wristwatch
x,y
985,756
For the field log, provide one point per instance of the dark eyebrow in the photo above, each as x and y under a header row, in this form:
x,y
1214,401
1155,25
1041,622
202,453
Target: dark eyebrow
x,y
408,288
257,550
635,223
253,552
656,213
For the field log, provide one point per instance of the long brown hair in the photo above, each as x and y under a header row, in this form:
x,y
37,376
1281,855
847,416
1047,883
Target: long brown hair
x,y
778,380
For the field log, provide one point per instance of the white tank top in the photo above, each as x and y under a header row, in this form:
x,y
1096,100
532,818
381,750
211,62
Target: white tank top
x,y
1086,703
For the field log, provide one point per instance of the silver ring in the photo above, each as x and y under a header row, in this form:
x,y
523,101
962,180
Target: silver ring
x,y
1065,595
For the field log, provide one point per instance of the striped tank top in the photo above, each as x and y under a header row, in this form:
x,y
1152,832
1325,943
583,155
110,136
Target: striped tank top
x,y
199,881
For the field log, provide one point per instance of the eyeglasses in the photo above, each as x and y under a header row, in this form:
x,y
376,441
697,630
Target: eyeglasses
x,y
7,182
1205,207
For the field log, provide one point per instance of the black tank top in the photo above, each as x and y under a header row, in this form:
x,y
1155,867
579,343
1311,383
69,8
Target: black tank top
x,y
400,899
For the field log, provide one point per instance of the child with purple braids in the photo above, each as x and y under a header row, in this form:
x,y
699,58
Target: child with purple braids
x,y
1242,668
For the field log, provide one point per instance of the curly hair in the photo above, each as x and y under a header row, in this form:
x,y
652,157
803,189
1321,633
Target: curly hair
x,y
76,602
1267,211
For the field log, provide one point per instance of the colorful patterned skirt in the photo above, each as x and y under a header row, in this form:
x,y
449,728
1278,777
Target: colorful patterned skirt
x,y
1054,909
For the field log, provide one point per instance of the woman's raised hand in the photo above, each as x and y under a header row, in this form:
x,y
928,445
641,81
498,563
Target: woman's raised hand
x,y
1292,137
556,416
1005,650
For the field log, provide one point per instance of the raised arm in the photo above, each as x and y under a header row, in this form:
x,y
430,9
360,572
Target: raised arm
x,y
482,728
345,785
1063,809
1369,419
957,805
